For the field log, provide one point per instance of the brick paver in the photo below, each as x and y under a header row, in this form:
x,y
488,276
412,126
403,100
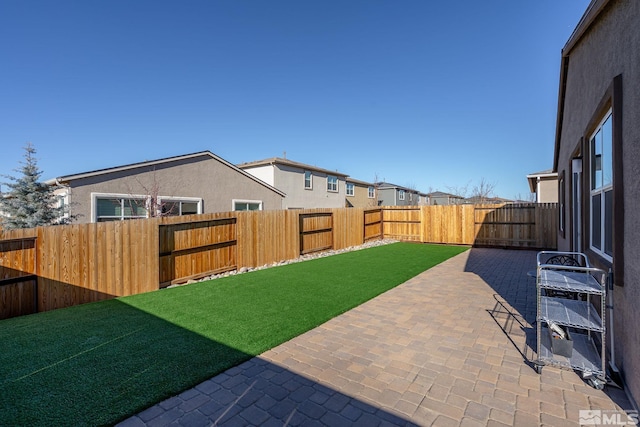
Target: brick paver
x,y
448,347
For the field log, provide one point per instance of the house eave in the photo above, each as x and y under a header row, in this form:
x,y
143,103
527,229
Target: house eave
x,y
287,162
593,11
66,179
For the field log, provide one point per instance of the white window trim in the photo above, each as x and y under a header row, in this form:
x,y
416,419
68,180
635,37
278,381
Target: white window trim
x,y
96,196
234,201
337,184
146,198
304,177
601,191
353,189
400,194
371,194
164,199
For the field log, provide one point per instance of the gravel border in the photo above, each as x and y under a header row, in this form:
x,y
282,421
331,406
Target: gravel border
x,y
306,257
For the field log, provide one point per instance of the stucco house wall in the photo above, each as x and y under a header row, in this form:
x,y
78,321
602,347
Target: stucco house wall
x,y
544,185
547,191
390,195
360,198
601,70
201,176
289,177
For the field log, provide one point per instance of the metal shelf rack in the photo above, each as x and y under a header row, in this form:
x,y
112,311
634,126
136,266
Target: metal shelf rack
x,y
586,320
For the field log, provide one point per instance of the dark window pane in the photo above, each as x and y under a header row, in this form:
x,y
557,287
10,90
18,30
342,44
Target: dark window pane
x,y
170,208
189,208
108,207
596,221
608,222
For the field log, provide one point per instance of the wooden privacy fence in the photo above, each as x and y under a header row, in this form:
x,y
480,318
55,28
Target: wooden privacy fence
x,y
531,225
192,250
82,263
18,294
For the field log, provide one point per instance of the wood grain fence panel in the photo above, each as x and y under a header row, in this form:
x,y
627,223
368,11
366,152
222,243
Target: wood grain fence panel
x,y
245,237
402,223
18,298
372,224
89,262
18,280
195,249
316,231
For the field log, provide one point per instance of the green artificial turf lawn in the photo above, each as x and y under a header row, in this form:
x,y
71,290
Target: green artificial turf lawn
x,y
98,363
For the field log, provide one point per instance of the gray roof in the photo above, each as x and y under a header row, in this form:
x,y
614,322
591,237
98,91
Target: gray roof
x,y
67,178
287,162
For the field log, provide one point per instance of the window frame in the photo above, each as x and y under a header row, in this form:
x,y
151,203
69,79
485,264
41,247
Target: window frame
x,y
601,190
331,180
167,199
401,195
115,196
248,202
371,192
308,177
350,189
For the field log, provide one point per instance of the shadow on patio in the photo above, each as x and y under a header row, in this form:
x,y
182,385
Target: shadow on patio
x,y
447,347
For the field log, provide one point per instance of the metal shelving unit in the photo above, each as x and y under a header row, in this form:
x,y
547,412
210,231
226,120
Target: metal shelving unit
x,y
585,320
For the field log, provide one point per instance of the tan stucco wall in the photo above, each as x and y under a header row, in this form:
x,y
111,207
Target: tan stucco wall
x,y
612,47
200,177
547,190
290,180
360,198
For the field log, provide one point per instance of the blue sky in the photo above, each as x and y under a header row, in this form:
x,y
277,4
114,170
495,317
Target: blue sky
x,y
431,95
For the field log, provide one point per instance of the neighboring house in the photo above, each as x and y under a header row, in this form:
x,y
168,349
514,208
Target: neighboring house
x,y
488,200
188,184
360,194
440,198
396,195
597,158
306,186
545,186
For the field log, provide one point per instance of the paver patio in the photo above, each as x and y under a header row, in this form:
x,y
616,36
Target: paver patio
x,y
450,347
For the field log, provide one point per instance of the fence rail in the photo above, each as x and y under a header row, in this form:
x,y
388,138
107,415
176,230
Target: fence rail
x,y
53,267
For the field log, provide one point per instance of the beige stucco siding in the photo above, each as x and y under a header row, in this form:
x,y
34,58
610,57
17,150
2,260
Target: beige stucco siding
x,y
547,191
360,198
200,177
609,48
290,180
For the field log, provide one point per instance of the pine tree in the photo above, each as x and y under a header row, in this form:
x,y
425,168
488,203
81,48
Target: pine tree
x,y
29,202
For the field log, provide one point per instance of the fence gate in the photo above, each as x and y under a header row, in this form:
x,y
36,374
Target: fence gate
x,y
316,232
372,224
197,249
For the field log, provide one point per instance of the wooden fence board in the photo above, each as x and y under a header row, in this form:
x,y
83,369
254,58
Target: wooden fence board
x,y
90,262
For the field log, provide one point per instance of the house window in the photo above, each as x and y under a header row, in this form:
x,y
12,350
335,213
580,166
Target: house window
x,y
180,207
372,192
119,208
350,189
411,197
401,194
332,184
601,203
308,182
247,205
